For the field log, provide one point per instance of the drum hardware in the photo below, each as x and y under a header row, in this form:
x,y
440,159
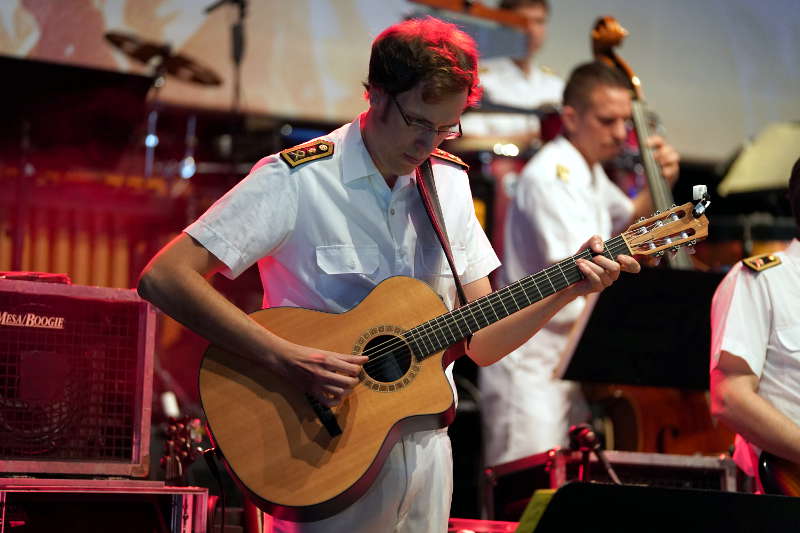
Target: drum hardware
x,y
162,62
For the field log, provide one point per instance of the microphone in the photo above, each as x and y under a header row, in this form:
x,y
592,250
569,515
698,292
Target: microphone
x,y
583,438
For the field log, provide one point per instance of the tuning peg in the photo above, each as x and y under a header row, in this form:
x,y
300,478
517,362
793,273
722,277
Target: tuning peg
x,y
699,192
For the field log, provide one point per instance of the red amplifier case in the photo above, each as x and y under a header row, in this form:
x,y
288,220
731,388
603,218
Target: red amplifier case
x,y
76,379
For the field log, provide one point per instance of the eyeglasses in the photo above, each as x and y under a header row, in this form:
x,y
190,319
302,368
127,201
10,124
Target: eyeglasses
x,y
446,134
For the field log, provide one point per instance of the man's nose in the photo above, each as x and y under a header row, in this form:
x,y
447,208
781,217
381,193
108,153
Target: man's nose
x,y
427,140
619,130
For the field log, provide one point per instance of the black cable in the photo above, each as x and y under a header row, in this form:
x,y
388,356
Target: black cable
x,y
214,469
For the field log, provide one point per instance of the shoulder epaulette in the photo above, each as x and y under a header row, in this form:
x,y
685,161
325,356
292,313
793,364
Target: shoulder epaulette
x,y
447,156
547,70
757,263
303,153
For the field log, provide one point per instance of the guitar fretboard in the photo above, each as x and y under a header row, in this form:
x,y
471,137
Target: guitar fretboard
x,y
445,330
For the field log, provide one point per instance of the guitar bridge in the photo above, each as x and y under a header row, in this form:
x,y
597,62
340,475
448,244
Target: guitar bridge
x,y
325,416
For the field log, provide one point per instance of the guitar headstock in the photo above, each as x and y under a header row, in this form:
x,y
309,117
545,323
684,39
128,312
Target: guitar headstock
x,y
683,225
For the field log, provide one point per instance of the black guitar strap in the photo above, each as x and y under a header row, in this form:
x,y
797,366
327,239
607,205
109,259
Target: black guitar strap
x,y
430,198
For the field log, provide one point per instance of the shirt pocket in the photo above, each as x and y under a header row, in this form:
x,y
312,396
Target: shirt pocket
x,y
348,259
789,339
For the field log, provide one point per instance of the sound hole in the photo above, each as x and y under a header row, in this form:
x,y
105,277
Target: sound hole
x,y
389,358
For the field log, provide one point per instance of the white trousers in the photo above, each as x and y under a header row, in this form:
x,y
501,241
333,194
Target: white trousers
x,y
524,410
411,494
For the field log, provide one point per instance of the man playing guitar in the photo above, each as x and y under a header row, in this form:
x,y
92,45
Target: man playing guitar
x,y
755,351
327,222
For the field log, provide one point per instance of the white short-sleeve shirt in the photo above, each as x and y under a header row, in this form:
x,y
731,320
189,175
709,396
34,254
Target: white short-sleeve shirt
x,y
558,203
326,232
505,83
756,316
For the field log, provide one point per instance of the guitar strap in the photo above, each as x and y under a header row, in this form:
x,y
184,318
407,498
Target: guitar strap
x,y
430,198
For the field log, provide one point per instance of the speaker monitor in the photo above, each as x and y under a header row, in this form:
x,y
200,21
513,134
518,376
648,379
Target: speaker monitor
x,y
76,370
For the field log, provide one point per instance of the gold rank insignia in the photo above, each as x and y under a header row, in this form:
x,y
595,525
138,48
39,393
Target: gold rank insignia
x,y
547,70
563,173
303,153
758,263
447,156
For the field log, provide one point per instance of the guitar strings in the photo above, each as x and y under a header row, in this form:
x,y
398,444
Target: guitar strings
x,y
503,299
503,296
384,353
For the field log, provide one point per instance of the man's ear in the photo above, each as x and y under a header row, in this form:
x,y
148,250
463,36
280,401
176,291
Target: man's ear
x,y
569,117
376,97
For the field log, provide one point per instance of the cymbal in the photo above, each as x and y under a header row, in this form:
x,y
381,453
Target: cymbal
x,y
177,65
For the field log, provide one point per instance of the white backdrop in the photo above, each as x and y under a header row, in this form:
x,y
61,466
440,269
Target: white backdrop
x,y
716,71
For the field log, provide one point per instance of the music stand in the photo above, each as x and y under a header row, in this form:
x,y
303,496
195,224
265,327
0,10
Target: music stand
x,y
652,329
598,507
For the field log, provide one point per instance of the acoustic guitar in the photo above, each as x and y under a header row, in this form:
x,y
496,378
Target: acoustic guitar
x,y
299,460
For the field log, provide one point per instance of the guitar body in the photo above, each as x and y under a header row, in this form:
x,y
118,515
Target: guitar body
x,y
778,475
273,442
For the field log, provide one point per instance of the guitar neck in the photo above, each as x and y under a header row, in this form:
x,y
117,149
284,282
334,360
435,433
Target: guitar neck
x,y
445,330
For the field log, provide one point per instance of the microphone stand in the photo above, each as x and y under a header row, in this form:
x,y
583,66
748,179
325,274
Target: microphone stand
x,y
237,46
237,53
584,439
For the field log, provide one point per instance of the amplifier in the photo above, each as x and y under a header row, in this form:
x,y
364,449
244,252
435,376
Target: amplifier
x,y
508,487
100,505
76,377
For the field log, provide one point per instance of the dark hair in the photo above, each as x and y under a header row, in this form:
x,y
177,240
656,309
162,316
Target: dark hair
x,y
514,4
586,77
429,51
794,195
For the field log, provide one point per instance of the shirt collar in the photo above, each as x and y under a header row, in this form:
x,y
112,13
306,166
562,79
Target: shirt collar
x,y
356,161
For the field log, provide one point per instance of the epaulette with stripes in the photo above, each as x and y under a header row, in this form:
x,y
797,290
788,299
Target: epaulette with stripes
x,y
303,153
447,156
757,263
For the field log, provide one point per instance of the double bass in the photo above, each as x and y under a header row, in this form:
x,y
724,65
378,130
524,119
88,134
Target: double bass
x,y
606,34
651,419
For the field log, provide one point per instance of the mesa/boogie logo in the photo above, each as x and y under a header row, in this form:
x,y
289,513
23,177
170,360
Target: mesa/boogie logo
x,y
31,320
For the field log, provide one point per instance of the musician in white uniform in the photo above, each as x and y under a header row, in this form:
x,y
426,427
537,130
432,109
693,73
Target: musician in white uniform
x,y
562,193
517,82
329,220
755,351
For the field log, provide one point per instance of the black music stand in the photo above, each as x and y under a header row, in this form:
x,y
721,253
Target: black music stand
x,y
598,507
652,329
